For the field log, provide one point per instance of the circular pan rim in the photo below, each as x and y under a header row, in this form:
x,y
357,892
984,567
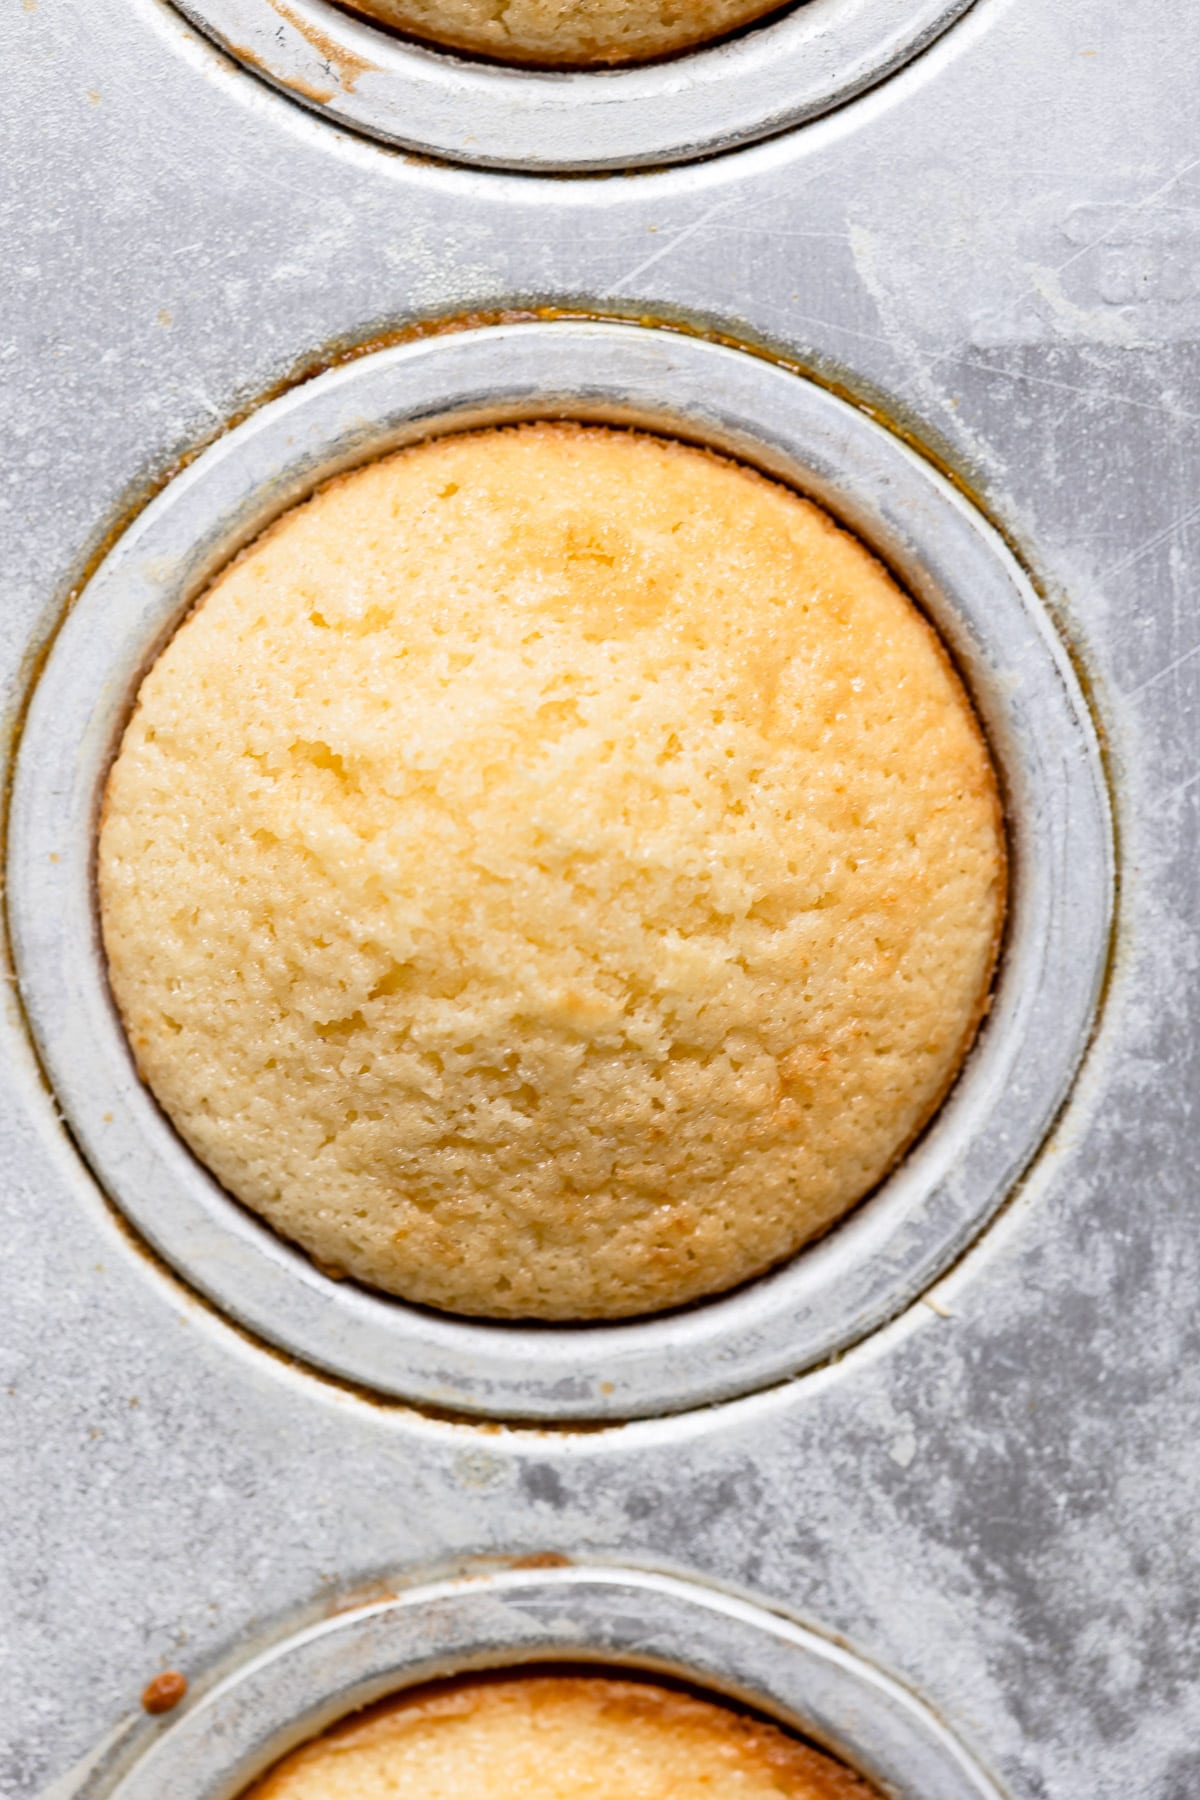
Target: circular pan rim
x,y
897,1241
416,98
613,1617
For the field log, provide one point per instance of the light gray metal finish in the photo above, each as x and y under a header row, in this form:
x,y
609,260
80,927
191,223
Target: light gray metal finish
x,y
813,58
617,1618
993,1496
1058,926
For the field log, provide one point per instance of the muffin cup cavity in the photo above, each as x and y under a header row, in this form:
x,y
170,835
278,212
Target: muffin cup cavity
x,y
615,1619
949,560
810,58
553,874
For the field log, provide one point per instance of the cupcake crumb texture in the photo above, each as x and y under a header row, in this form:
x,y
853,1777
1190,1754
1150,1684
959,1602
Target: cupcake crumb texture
x,y
553,873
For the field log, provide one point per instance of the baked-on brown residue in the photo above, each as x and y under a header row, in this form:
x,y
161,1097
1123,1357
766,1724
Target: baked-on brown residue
x,y
341,62
165,1692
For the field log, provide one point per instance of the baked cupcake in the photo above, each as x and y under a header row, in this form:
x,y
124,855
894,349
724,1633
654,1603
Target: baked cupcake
x,y
553,873
566,33
551,1737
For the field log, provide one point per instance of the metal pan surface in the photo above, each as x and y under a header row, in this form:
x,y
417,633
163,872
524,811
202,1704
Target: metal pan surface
x,y
984,268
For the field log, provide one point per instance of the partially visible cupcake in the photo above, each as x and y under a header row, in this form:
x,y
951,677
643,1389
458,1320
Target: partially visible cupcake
x,y
566,33
551,1737
554,873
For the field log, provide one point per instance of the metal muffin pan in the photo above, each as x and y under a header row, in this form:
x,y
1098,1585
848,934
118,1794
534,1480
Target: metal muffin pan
x,y
812,58
991,1494
1056,947
619,1619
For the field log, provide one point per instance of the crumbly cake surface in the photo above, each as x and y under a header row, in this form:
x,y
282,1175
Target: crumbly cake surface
x,y
554,872
569,33
535,1737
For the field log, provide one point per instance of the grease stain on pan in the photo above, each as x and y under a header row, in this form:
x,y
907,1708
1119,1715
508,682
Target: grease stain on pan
x,y
343,63
318,96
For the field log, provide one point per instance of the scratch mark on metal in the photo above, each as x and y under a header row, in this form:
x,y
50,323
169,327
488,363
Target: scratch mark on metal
x,y
673,243
1151,543
1161,674
1079,389
1181,787
680,237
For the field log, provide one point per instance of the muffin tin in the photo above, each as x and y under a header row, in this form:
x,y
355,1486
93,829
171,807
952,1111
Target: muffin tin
x,y
955,1441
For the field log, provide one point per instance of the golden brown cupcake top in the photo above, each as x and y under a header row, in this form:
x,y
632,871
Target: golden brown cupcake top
x,y
555,872
566,33
550,1737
